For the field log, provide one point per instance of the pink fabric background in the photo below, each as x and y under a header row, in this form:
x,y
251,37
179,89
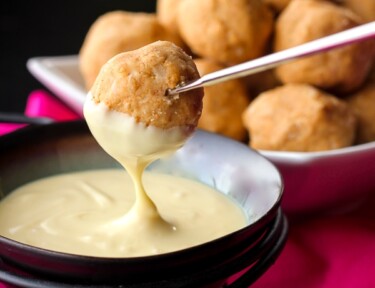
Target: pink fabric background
x,y
322,251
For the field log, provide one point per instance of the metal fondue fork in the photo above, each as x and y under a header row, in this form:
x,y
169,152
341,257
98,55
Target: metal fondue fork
x,y
359,33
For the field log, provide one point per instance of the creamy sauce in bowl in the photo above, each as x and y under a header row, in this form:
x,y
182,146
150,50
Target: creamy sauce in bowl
x,y
88,213
108,213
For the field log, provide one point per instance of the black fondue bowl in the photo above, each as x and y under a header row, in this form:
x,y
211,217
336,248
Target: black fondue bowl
x,y
228,166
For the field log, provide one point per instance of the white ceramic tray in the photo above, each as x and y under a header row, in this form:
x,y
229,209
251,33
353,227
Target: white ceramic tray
x,y
61,76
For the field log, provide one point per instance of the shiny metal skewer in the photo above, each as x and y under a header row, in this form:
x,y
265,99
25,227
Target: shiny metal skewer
x,y
346,37
9,117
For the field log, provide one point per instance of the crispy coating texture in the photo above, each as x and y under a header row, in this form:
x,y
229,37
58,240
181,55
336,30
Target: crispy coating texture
x,y
225,31
223,104
340,70
135,83
363,105
116,32
299,117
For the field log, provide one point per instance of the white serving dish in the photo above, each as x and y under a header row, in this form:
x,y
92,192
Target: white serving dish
x,y
60,74
316,181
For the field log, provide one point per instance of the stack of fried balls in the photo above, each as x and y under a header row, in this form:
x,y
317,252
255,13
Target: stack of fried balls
x,y
321,102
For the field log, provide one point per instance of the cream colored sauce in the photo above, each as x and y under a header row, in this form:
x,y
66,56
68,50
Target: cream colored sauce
x,y
134,146
86,213
102,214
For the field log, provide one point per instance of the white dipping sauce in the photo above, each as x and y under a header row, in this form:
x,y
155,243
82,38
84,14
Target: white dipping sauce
x,y
87,213
106,212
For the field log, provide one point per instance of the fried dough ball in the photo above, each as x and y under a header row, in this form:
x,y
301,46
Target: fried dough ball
x,y
223,104
364,8
299,117
135,83
116,32
340,70
227,32
363,105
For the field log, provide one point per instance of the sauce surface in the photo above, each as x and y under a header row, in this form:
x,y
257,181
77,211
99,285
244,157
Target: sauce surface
x,y
89,213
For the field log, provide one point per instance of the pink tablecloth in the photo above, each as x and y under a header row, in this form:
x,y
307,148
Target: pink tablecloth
x,y
322,251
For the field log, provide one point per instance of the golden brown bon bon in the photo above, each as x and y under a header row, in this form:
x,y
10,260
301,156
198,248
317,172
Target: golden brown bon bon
x,y
223,104
299,117
135,83
115,32
340,70
363,105
225,31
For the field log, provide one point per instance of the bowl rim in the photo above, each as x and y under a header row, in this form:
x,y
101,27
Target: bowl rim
x,y
273,242
79,127
296,157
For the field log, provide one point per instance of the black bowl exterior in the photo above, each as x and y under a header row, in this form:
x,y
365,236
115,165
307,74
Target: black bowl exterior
x,y
37,152
259,259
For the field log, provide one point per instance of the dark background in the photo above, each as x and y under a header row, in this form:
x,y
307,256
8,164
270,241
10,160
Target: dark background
x,y
45,28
